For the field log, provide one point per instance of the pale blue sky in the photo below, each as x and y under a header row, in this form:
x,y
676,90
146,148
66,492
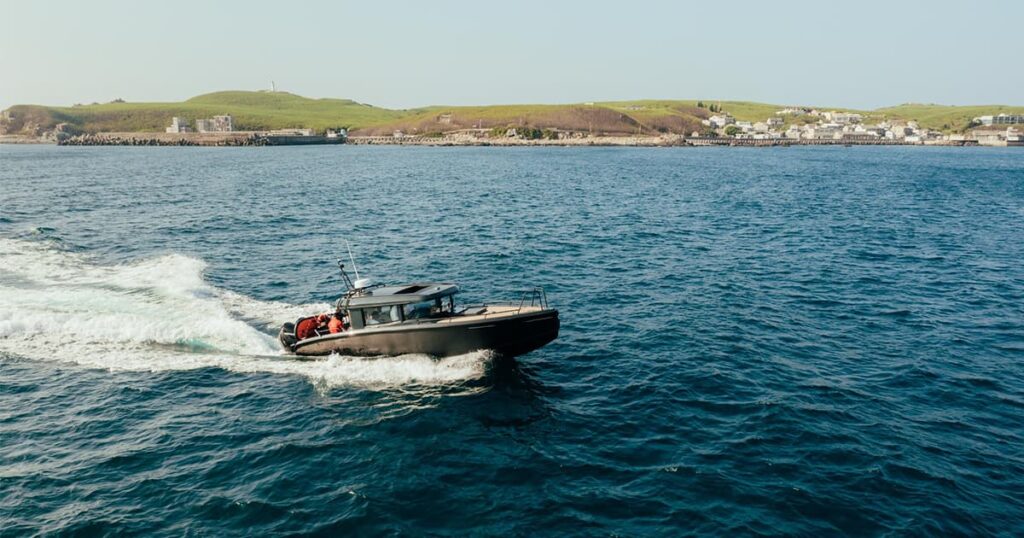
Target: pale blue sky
x,y
398,54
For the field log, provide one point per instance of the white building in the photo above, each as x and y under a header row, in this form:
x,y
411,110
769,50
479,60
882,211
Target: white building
x,y
178,125
223,124
822,132
1002,119
719,121
842,117
775,122
216,124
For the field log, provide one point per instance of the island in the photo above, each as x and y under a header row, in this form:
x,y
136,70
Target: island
x,y
258,118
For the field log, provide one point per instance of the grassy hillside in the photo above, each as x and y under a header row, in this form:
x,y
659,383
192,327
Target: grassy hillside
x,y
943,117
613,117
648,116
251,111
276,110
583,118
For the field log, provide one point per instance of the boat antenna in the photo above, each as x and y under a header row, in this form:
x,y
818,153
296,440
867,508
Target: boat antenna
x,y
351,257
344,275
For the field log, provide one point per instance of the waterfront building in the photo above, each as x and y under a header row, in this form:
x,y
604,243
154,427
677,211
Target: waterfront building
x,y
178,125
216,124
720,121
223,124
859,136
842,117
1001,119
822,133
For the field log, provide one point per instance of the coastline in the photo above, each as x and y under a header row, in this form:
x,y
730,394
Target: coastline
x,y
238,139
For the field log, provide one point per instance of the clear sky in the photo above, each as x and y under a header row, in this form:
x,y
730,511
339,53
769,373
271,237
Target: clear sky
x,y
862,54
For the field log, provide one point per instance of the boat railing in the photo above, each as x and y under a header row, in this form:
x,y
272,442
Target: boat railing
x,y
537,297
533,297
530,298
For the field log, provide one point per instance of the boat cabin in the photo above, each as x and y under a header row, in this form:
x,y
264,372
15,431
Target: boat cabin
x,y
369,307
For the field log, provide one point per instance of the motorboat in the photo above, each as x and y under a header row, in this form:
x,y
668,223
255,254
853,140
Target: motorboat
x,y
421,317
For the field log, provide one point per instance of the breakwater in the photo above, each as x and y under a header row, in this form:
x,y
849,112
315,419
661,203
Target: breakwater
x,y
262,139
162,139
636,141
246,138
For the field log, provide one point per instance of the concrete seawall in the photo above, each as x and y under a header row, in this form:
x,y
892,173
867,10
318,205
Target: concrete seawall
x,y
634,141
503,141
236,138
252,138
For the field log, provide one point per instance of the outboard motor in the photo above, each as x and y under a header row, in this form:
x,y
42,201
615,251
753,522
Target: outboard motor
x,y
287,336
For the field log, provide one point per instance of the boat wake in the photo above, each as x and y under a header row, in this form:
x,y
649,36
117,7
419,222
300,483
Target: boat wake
x,y
159,314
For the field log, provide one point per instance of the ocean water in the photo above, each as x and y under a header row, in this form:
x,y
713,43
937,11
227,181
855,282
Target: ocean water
x,y
784,341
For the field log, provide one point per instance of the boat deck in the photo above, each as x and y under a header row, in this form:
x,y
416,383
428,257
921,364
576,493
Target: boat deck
x,y
490,312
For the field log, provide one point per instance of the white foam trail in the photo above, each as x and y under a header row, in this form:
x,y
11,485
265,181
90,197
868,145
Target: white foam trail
x,y
159,314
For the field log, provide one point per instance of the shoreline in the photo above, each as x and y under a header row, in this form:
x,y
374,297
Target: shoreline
x,y
251,139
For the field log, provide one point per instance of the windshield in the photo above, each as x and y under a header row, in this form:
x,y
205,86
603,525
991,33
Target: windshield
x,y
428,309
381,315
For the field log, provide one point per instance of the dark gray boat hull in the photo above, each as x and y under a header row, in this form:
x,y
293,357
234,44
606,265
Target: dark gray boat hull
x,y
509,336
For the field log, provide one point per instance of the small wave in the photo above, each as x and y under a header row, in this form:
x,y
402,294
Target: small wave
x,y
160,314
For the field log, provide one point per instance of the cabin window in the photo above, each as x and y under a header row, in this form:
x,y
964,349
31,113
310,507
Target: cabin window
x,y
420,310
381,315
426,309
356,318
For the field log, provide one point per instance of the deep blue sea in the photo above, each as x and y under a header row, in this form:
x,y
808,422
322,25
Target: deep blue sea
x,y
783,341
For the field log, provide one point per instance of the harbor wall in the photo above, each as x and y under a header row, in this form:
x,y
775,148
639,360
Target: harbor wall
x,y
234,138
251,138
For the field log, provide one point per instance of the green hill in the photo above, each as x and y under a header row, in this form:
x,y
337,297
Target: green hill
x,y
596,119
277,110
251,111
943,117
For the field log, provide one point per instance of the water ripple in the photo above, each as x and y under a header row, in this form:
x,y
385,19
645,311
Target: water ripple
x,y
794,341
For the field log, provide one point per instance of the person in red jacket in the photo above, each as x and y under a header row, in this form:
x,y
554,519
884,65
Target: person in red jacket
x,y
337,323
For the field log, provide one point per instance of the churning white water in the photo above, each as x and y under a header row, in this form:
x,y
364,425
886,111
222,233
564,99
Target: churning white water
x,y
159,314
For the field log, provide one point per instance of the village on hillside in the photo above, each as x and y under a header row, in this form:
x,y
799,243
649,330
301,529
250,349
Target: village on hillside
x,y
849,127
787,126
